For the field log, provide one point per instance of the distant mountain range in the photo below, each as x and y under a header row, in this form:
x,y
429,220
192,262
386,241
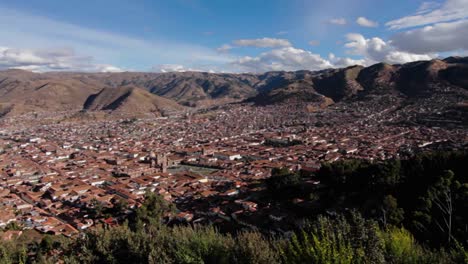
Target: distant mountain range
x,y
137,93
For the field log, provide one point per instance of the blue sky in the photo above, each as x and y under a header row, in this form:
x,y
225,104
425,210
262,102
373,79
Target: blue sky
x,y
232,36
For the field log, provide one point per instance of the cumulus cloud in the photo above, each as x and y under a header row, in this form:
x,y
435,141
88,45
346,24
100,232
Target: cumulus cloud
x,y
170,68
441,37
107,68
365,51
345,62
431,13
163,68
337,21
263,43
50,60
377,50
362,21
288,58
278,59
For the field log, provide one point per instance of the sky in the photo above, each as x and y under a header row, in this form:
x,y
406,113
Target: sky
x,y
226,35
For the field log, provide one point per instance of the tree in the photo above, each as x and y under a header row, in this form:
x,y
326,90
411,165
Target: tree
x,y
391,214
46,243
95,208
282,179
436,209
442,198
120,207
152,211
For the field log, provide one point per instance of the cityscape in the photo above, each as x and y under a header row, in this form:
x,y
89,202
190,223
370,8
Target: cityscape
x,y
233,132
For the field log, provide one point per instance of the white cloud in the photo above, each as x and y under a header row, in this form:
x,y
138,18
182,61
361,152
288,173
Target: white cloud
x,y
405,57
107,68
366,22
224,48
367,52
26,31
377,50
431,13
337,21
441,37
163,68
170,68
50,60
427,7
279,59
263,43
288,59
345,62
259,43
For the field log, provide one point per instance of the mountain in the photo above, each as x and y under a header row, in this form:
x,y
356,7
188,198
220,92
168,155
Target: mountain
x,y
130,100
292,92
188,88
457,71
339,84
378,78
418,78
23,92
408,81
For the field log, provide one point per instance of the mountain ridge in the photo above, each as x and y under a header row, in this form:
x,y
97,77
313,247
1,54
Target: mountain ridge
x,y
23,91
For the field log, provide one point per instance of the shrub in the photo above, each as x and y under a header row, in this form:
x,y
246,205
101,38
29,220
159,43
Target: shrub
x,y
336,241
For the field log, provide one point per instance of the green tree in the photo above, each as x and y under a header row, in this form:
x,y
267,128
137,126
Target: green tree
x,y
46,244
152,211
120,207
95,208
391,213
442,198
282,178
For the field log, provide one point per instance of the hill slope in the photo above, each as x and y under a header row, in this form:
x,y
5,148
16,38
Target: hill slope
x,y
130,100
23,92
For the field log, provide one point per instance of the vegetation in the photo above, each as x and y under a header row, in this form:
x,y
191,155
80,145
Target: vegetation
x,y
408,211
344,239
281,143
283,180
427,194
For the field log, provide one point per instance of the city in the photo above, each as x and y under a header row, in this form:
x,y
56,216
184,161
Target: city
x,y
52,175
233,132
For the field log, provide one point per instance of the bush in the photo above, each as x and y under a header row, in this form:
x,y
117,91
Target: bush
x,y
252,247
400,246
336,241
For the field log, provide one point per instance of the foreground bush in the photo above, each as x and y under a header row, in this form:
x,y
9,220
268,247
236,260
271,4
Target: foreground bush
x,y
170,245
336,241
350,239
